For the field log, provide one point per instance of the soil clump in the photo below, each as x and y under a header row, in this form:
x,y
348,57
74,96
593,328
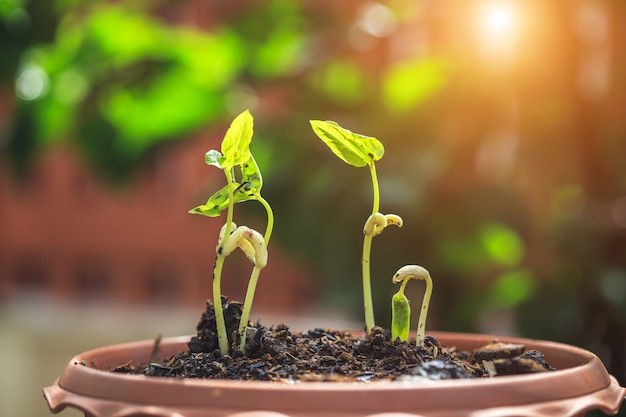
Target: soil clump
x,y
277,354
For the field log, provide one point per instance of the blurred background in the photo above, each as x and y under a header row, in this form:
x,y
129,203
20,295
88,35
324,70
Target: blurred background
x,y
505,134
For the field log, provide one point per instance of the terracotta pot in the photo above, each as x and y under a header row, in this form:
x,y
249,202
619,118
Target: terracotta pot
x,y
581,384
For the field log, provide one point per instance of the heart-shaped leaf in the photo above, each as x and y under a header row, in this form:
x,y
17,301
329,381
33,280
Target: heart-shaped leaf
x,y
236,143
354,149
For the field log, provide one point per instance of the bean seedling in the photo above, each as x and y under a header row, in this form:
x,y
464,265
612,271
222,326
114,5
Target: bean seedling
x,y
359,151
354,149
235,152
401,309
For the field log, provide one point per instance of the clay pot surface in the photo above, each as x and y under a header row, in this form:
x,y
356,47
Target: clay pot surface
x,y
580,384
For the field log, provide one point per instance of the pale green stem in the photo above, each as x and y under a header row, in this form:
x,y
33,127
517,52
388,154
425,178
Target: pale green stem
x,y
421,324
403,286
254,277
220,323
247,307
368,304
375,187
270,219
222,336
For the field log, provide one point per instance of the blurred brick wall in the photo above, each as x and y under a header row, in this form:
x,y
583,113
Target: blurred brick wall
x,y
63,233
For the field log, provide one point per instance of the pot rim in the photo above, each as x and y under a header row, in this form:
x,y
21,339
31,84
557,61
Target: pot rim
x,y
576,357
583,375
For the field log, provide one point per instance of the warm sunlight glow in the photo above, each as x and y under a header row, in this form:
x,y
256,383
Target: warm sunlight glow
x,y
498,20
497,23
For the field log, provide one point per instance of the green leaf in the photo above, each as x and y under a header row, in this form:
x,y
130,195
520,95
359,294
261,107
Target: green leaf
x,y
236,143
218,202
214,158
354,149
248,189
251,176
400,316
209,211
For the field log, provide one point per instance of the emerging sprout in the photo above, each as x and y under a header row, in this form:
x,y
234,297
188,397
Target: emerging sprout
x,y
250,242
377,222
401,310
235,152
359,151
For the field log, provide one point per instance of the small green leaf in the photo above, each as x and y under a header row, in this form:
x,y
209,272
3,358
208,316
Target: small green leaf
x,y
214,158
354,149
218,202
248,189
210,211
251,176
214,205
400,316
236,143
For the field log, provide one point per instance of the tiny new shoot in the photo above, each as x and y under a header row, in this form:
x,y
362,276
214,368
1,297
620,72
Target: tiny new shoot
x,y
359,151
401,309
235,152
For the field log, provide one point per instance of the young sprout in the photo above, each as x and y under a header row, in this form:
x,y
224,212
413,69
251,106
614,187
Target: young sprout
x,y
377,222
249,241
401,310
252,176
359,151
235,152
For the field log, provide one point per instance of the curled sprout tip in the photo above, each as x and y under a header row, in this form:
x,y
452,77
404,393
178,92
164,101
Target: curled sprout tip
x,y
233,226
393,219
250,242
403,275
411,271
377,222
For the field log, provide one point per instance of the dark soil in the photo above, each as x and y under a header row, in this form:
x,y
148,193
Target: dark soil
x,y
277,354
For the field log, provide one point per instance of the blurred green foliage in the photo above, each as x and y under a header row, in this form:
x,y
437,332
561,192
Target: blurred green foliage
x,y
508,171
118,80
410,83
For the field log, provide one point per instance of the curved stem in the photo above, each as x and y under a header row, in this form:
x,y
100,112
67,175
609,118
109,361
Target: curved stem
x,y
403,285
270,219
421,324
254,277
